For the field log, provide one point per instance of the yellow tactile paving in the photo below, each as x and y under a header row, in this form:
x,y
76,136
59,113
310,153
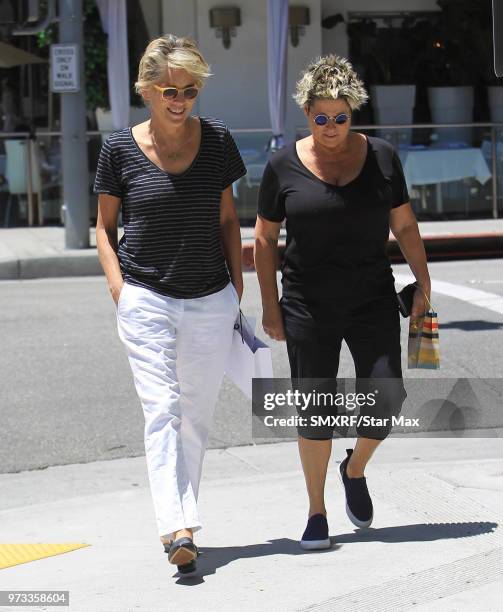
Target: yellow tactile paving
x,y
14,554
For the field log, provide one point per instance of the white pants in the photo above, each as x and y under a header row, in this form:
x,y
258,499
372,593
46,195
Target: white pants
x,y
177,349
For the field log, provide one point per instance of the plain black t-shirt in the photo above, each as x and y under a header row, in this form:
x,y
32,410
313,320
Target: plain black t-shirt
x,y
336,236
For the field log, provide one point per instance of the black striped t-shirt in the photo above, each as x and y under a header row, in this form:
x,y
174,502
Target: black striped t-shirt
x,y
171,241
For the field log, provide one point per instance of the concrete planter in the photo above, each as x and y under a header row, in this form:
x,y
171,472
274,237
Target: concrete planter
x,y
495,97
452,105
394,104
104,118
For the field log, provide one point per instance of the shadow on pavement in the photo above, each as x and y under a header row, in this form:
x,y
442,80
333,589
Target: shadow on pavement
x,y
420,532
212,559
475,325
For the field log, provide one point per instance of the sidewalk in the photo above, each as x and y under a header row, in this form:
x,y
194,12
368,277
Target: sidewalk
x,y
39,252
435,543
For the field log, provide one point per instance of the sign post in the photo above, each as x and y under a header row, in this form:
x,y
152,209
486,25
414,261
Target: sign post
x,y
67,78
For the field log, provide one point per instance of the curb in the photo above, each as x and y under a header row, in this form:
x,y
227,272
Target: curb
x,y
454,246
438,248
51,267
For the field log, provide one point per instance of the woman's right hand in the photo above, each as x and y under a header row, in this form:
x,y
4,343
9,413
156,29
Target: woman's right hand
x,y
116,293
272,322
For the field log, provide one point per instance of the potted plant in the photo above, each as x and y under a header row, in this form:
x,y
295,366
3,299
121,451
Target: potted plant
x,y
450,66
482,33
389,60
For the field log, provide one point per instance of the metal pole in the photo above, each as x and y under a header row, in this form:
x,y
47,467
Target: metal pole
x,y
30,90
50,103
494,153
29,172
74,141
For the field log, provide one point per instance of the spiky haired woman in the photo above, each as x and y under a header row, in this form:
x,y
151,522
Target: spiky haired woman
x,y
340,192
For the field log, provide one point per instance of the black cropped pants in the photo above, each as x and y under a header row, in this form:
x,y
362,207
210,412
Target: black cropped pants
x,y
371,329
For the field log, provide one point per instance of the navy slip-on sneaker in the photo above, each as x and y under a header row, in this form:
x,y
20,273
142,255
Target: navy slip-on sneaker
x,y
358,502
315,536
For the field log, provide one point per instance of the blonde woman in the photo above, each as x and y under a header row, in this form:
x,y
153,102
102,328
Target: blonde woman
x,y
175,276
340,193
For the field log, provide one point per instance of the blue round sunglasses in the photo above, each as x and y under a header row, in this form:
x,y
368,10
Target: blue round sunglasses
x,y
323,119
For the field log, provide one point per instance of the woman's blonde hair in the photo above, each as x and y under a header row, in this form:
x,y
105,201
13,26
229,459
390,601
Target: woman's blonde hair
x,y
330,77
170,51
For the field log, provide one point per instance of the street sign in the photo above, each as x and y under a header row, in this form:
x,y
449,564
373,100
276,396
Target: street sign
x,y
498,36
65,68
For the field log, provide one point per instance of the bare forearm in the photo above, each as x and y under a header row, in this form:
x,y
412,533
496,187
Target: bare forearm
x,y
107,252
412,247
231,245
266,264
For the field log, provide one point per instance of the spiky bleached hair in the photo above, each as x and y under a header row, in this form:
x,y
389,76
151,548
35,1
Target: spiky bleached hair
x,y
330,77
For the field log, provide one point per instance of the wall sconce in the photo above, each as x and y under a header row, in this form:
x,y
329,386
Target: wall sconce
x,y
225,20
298,17
331,21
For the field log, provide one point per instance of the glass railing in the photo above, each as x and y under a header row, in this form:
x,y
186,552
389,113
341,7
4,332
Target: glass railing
x,y
253,146
31,179
452,171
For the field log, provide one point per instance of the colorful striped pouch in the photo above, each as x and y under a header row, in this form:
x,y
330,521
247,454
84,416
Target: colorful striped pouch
x,y
423,349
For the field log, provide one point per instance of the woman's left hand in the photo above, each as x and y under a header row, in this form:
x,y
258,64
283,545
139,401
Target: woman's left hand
x,y
419,305
238,286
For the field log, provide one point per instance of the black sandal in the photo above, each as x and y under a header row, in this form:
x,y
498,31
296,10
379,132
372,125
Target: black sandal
x,y
182,552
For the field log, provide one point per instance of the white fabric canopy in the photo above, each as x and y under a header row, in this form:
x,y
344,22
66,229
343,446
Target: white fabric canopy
x,y
114,23
277,45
